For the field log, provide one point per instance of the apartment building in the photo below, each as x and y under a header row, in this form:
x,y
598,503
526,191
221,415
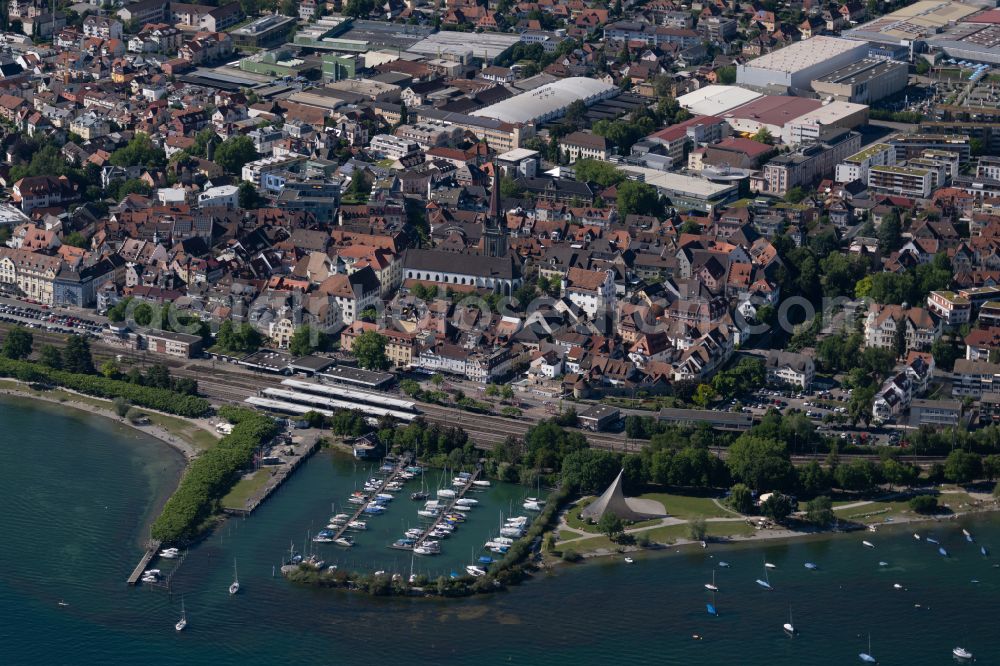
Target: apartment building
x,y
908,181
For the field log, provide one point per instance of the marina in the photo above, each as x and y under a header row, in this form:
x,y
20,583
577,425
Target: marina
x,y
81,613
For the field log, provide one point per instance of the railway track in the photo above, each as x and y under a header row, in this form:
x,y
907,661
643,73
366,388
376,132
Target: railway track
x,y
226,385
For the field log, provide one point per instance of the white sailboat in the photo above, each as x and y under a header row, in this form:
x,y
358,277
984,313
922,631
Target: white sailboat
x,y
711,586
181,623
867,656
961,653
766,583
234,587
788,626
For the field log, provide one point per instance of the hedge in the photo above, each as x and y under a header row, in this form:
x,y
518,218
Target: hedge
x,y
163,400
212,474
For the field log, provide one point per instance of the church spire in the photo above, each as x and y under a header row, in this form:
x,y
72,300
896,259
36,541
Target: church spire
x,y
496,223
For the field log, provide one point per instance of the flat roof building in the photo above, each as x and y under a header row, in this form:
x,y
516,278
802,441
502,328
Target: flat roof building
x,y
796,65
549,101
464,46
863,82
685,192
716,100
264,32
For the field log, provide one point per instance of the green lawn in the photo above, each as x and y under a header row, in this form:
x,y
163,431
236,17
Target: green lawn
x,y
686,506
876,512
246,488
673,533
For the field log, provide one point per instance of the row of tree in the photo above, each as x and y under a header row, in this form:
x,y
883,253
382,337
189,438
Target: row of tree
x,y
211,475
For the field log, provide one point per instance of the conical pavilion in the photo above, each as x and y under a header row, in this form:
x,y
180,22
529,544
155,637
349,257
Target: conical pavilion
x,y
614,501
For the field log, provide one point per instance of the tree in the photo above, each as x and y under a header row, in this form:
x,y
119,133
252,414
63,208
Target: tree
x,y
814,479
605,174
590,470
924,504
248,196
305,340
611,526
777,507
726,75
890,233
740,498
859,475
110,369
704,395
795,195
697,528
359,8
763,135
234,152
17,344
51,357
76,239
369,349
760,462
76,356
945,353
140,151
899,474
639,199
819,511
962,467
121,406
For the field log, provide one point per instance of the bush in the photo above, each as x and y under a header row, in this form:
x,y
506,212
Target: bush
x,y
212,474
121,406
924,504
163,400
570,555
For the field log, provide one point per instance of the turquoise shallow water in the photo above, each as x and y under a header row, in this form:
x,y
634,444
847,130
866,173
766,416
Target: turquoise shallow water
x,y
76,491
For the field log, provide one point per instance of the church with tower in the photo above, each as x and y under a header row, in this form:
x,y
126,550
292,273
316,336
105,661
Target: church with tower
x,y
491,268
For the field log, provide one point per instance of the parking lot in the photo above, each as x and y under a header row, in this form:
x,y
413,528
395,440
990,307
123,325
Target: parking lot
x,y
43,318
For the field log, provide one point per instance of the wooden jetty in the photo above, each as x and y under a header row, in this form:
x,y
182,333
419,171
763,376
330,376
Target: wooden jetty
x,y
450,507
392,476
152,549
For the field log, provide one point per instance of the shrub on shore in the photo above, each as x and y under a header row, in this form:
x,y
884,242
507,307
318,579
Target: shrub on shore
x,y
212,474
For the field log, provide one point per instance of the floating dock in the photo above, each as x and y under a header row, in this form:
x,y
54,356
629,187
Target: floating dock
x,y
451,507
147,558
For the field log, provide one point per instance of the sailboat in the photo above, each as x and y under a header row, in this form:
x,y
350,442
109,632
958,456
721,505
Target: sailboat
x,y
183,622
788,626
961,653
968,536
712,610
711,586
984,551
234,587
766,584
867,656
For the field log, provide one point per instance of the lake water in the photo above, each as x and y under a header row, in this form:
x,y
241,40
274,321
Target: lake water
x,y
77,490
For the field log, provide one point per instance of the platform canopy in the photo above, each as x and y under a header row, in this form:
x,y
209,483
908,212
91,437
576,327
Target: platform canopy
x,y
614,501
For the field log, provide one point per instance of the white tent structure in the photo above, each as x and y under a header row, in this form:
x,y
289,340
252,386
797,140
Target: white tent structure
x,y
613,500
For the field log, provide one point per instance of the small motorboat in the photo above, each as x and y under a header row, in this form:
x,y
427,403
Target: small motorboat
x,y
867,544
916,536
897,586
724,565
482,483
931,540
943,552
984,551
629,560
961,653
883,563
63,603
770,566
812,566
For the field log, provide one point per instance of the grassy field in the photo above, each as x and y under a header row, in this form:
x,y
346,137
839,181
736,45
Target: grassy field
x,y
686,506
246,488
672,533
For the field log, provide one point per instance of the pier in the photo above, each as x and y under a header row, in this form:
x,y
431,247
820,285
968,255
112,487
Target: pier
x,y
450,507
152,549
392,476
274,482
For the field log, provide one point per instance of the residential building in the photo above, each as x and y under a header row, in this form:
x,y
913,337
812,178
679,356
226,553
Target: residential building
x,y
881,325
810,163
951,308
855,167
935,413
790,368
29,274
593,291
584,145
903,180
